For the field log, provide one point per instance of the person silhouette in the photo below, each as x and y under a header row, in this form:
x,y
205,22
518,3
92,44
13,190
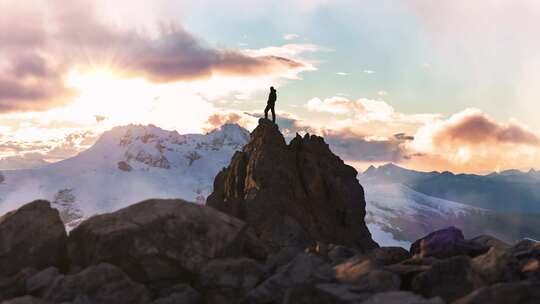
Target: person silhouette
x,y
271,104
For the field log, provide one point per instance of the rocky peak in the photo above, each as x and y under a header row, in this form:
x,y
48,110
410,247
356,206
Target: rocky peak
x,y
295,194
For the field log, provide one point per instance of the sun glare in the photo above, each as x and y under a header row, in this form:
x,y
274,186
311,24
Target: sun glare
x,y
102,93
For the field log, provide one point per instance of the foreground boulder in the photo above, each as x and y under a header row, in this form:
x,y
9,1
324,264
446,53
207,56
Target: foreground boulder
x,y
161,241
524,292
32,236
449,279
228,280
446,243
293,194
101,283
304,269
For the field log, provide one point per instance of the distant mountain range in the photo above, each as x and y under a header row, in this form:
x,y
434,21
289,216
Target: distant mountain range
x,y
397,215
126,165
132,163
509,191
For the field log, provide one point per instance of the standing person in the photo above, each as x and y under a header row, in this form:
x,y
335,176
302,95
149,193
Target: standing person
x,y
271,104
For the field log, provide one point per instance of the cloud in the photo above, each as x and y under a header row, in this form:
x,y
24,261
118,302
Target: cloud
x,y
218,119
335,105
291,36
364,111
473,127
177,55
37,55
22,161
342,74
36,152
472,141
354,147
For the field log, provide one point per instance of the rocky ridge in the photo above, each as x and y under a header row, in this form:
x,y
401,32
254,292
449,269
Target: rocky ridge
x,y
293,194
172,251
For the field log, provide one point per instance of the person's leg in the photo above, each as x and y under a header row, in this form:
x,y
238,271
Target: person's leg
x,y
273,115
266,111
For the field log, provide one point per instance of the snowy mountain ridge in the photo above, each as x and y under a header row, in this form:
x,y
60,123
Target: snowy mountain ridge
x,y
126,165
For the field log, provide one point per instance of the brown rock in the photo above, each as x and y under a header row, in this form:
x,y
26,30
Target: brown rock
x,y
449,279
269,180
32,236
161,241
496,266
523,292
389,255
367,275
489,241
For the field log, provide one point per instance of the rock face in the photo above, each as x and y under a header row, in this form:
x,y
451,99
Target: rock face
x,y
101,283
156,241
446,243
286,192
32,236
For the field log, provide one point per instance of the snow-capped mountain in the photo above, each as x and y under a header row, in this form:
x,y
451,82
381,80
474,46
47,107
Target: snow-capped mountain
x,y
126,165
510,191
398,215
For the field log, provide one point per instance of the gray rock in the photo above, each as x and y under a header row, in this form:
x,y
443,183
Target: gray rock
x,y
228,280
326,293
32,236
339,254
524,292
26,300
161,241
15,286
103,283
234,273
525,249
181,293
304,269
450,279
283,257
38,283
407,273
401,297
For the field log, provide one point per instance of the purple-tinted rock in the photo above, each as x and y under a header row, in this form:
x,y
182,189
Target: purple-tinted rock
x,y
446,243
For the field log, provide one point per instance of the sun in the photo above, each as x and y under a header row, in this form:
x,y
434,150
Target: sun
x,y
102,92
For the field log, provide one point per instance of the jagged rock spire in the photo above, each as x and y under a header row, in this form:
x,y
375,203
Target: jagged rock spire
x,y
293,195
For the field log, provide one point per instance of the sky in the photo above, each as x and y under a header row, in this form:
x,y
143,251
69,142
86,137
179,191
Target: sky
x,y
428,85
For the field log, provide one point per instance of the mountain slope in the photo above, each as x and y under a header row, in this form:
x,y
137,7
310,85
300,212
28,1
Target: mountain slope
x,y
398,215
127,164
510,191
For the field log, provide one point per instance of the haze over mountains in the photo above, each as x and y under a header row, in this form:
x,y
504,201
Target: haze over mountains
x,y
510,191
132,163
